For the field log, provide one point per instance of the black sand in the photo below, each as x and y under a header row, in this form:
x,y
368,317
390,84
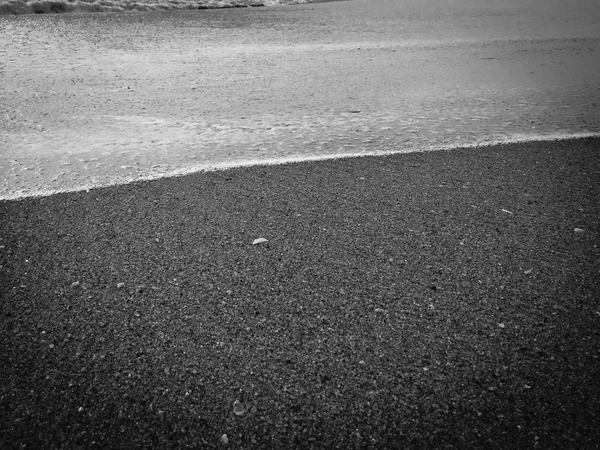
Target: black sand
x,y
431,300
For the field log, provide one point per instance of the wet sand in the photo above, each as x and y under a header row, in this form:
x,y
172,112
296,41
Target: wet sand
x,y
95,99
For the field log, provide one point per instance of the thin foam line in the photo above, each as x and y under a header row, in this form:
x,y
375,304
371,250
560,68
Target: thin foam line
x,y
120,181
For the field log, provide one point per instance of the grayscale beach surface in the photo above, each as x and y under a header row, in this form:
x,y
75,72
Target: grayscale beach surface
x,y
406,299
434,300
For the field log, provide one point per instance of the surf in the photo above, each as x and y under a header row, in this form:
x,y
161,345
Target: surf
x,y
89,6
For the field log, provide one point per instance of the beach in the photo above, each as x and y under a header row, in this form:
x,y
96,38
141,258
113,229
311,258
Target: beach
x,y
350,224
425,300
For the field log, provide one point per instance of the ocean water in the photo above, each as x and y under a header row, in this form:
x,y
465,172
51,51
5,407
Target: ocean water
x,y
90,100
66,6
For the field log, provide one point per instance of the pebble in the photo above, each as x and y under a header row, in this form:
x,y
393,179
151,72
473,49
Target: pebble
x,y
238,408
259,241
120,285
225,439
578,230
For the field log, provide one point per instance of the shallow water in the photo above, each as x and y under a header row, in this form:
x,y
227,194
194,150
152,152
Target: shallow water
x,y
97,99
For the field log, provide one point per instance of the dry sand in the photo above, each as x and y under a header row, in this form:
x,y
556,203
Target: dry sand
x,y
437,300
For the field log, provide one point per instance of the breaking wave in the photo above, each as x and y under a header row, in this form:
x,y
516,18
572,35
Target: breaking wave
x,y
67,6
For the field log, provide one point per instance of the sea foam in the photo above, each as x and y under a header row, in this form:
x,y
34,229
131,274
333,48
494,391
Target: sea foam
x,y
67,6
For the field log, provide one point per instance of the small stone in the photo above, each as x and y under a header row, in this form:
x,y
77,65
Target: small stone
x,y
578,230
120,285
225,439
238,408
528,272
75,284
259,241
501,325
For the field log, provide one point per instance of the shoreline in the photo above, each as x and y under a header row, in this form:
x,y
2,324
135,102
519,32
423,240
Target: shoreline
x,y
292,159
420,300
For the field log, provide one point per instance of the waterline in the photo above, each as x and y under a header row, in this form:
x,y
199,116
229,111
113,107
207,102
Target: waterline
x,y
115,181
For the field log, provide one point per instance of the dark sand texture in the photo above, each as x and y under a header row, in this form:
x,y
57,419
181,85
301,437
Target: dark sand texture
x,y
396,305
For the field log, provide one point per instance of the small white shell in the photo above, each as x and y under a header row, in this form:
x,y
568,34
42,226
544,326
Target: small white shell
x,y
259,241
239,408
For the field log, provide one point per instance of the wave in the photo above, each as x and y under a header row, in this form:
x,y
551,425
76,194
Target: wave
x,y
70,6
